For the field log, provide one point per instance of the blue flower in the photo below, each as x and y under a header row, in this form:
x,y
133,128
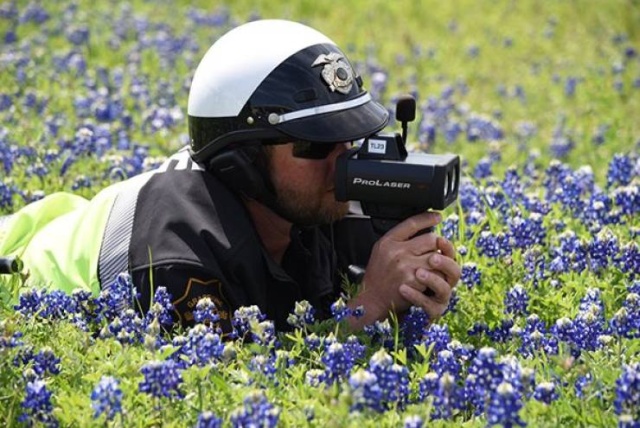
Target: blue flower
x,y
264,365
516,300
106,398
546,392
202,346
208,420
46,361
206,312
37,405
504,407
244,316
413,327
303,315
392,378
340,310
337,361
627,401
161,379
256,412
413,421
365,391
471,275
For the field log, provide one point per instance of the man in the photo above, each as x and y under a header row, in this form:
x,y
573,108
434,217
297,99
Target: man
x,y
247,214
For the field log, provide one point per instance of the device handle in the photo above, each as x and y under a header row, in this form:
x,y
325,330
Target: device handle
x,y
10,265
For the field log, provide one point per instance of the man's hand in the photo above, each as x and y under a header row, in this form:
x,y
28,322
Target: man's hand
x,y
437,281
402,267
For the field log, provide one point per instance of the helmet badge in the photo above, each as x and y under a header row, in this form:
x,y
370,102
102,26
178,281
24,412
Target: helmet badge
x,y
337,73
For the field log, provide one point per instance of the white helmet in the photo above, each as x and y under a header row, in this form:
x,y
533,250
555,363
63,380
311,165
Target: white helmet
x,y
277,81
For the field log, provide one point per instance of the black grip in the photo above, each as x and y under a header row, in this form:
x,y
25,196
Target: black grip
x,y
10,265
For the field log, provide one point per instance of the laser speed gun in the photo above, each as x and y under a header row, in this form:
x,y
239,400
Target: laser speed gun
x,y
392,184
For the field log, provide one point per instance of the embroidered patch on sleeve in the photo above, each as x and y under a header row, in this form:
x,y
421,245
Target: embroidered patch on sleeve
x,y
197,289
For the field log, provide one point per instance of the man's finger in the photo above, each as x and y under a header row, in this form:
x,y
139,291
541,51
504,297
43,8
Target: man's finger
x,y
446,247
416,298
441,290
446,266
414,224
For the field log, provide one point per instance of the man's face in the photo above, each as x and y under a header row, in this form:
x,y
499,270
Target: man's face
x,y
305,187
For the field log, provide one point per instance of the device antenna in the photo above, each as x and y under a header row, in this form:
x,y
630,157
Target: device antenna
x,y
405,112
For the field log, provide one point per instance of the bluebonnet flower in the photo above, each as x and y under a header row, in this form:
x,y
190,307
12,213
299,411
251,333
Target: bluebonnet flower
x,y
438,336
340,310
599,136
303,315
446,394
106,398
516,300
381,333
315,377
126,329
245,316
535,338
78,35
502,332
570,86
202,346
602,250
526,232
30,302
471,274
413,327
413,421
37,405
622,324
354,347
487,370
546,392
34,13
161,307
496,199
264,333
257,411
627,401
581,383
480,127
312,341
365,391
504,407
161,379
9,339
446,362
264,365
46,361
393,378
450,227
206,312
483,168
337,360
627,198
535,264
117,296
620,171
208,420
470,197
493,246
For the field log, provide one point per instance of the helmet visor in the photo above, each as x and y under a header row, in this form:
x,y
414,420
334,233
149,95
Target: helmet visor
x,y
337,126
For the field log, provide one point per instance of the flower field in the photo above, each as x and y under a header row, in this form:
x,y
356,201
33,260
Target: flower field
x,y
540,99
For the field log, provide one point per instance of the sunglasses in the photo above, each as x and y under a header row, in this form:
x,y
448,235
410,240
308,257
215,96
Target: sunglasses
x,y
311,150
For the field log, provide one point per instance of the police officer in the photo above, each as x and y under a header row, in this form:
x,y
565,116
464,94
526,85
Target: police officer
x,y
247,214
